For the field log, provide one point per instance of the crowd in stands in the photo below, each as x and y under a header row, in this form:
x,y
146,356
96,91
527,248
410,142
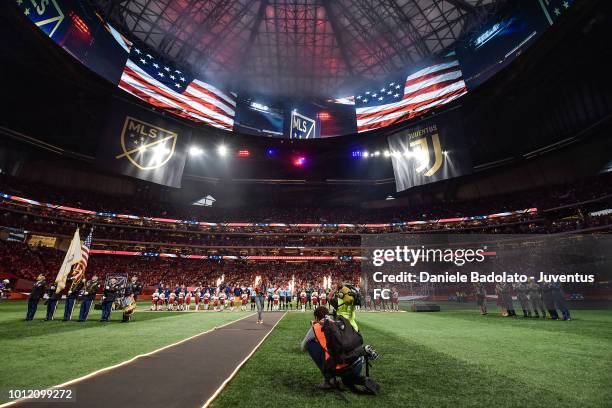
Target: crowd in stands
x,y
542,198
26,262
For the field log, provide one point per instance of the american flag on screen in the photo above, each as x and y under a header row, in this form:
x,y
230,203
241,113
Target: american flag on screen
x,y
406,97
164,86
78,272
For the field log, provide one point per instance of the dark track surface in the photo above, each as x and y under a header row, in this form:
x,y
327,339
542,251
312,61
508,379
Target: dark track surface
x,y
185,375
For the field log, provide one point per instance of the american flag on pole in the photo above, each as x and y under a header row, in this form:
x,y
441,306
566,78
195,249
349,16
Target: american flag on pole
x,y
406,97
162,85
78,272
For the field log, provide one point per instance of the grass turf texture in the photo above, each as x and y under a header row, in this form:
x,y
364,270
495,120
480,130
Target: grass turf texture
x,y
41,354
451,358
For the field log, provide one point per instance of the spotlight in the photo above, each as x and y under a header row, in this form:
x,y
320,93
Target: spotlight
x,y
222,150
445,152
376,153
271,152
195,151
366,154
386,153
299,161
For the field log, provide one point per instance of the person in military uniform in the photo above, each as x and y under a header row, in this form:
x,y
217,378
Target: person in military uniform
x,y
506,292
37,292
71,298
559,300
108,298
535,297
132,290
89,295
481,297
51,302
547,297
522,292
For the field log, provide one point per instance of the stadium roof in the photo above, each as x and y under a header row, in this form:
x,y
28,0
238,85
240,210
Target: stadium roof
x,y
294,47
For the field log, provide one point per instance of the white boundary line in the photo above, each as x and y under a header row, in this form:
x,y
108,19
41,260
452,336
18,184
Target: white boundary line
x,y
239,366
105,369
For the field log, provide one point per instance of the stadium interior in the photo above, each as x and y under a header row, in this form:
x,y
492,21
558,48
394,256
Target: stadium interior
x,y
279,172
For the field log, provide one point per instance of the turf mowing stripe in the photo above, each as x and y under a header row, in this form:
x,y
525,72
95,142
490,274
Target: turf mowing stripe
x,y
103,370
228,379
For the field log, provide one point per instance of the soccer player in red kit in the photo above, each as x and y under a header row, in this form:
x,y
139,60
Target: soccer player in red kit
x,y
188,301
303,301
155,299
162,301
171,301
197,299
206,300
245,300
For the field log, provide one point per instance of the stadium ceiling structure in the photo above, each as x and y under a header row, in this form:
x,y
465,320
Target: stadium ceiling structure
x,y
295,47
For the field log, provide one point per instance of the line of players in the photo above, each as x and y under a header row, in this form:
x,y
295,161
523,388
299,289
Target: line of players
x,y
277,299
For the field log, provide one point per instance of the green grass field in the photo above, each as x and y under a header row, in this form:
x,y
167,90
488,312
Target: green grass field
x,y
40,354
452,358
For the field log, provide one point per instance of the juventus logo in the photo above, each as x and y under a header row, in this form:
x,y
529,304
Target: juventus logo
x,y
422,152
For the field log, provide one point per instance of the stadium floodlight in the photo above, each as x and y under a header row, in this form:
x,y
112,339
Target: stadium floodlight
x,y
196,151
160,151
386,153
366,154
299,161
445,152
376,153
222,150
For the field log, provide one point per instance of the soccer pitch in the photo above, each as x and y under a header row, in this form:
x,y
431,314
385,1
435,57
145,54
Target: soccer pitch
x,y
451,358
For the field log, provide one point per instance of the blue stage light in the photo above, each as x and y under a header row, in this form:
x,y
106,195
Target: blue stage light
x,y
357,153
271,152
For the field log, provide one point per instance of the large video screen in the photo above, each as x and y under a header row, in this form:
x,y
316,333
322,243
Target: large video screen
x,y
493,45
259,117
482,52
79,30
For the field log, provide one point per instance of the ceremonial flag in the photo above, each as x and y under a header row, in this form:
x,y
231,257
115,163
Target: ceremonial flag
x,y
78,272
406,97
73,257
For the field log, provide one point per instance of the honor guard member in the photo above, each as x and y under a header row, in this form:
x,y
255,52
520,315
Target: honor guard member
x,y
108,298
37,292
549,302
71,297
535,297
133,288
89,294
52,301
559,300
522,293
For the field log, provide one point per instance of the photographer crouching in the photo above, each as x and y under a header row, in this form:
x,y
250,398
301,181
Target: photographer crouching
x,y
336,347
